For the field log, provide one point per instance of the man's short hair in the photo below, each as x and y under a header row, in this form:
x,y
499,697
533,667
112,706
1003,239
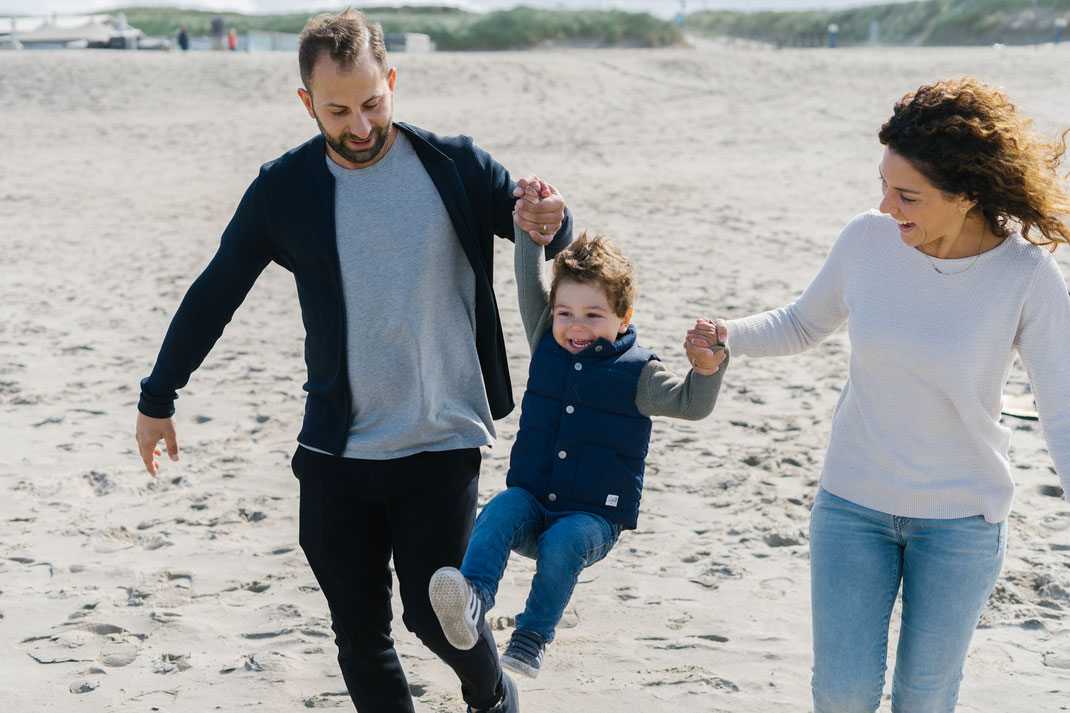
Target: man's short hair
x,y
594,259
347,37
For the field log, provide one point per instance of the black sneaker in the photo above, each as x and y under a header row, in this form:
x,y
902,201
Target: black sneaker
x,y
524,653
457,605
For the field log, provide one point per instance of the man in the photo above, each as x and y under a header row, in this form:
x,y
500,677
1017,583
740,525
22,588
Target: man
x,y
388,230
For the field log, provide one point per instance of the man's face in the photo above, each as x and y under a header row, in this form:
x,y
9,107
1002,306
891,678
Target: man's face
x,y
354,108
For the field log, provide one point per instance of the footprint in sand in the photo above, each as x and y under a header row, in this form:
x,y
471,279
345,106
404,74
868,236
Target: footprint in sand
x,y
172,663
118,654
84,686
117,538
268,634
718,572
255,516
1053,659
663,644
255,586
1057,522
99,482
691,676
712,637
328,700
247,663
777,540
1052,491
83,642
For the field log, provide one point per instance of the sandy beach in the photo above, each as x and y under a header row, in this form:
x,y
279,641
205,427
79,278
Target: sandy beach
x,y
726,173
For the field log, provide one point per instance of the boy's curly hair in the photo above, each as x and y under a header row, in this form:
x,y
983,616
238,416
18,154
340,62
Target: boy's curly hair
x,y
594,259
968,139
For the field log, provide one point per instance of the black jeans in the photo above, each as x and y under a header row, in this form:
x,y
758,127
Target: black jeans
x,y
355,514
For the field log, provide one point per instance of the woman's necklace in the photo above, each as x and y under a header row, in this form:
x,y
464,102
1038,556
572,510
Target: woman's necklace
x,y
972,262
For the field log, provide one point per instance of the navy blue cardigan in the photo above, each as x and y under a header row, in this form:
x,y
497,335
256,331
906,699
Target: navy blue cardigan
x,y
287,216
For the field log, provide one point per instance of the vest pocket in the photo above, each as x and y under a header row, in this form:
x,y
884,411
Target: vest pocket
x,y
600,479
530,460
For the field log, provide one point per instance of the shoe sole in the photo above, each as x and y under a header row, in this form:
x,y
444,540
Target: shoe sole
x,y
518,666
449,595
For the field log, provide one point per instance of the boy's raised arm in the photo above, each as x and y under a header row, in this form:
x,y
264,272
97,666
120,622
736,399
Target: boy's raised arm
x,y
532,287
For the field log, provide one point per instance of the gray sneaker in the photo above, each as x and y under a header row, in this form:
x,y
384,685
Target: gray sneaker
x,y
457,605
524,653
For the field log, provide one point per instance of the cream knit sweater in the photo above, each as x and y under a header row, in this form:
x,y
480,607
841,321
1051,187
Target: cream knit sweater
x,y
917,429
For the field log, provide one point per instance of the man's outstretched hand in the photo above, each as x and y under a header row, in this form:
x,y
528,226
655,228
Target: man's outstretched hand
x,y
149,432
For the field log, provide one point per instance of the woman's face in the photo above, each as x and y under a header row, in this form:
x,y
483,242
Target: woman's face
x,y
925,214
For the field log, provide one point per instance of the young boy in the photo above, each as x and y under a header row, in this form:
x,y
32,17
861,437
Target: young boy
x,y
576,469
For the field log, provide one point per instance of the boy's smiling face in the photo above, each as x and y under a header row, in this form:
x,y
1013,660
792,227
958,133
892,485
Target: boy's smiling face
x,y
583,315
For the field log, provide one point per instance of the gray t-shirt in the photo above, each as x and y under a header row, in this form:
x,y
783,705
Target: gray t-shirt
x,y
409,290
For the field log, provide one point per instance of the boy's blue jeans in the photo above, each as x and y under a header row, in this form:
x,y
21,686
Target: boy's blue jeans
x,y
858,558
561,543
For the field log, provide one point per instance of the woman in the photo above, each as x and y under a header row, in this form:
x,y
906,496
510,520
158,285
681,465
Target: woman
x,y
940,289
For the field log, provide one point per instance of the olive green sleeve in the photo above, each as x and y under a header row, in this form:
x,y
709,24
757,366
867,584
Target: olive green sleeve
x,y
532,286
664,393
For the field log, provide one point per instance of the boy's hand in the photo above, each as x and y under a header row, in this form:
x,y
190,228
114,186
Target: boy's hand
x,y
704,345
540,209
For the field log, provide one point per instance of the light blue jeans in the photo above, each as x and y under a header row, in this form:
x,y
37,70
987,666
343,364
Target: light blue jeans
x,y
561,543
858,558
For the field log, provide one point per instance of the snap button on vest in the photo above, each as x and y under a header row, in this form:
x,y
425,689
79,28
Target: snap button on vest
x,y
569,409
598,348
551,497
578,366
561,455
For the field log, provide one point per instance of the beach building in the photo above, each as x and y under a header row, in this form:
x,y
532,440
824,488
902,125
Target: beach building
x,y
261,41
408,42
75,32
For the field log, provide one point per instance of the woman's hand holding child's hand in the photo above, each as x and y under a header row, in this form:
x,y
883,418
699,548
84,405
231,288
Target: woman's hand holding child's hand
x,y
704,345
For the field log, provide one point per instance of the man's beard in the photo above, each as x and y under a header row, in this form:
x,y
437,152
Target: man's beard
x,y
380,135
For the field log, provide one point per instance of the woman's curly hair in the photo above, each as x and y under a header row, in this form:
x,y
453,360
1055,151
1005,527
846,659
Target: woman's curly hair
x,y
968,139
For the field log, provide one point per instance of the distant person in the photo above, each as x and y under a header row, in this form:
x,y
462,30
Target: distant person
x,y
576,469
389,231
183,39
232,39
940,289
219,32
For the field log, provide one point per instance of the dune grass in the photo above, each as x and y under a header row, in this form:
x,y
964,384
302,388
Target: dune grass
x,y
449,28
924,22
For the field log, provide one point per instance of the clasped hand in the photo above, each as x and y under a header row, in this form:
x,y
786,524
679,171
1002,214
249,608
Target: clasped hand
x,y
540,209
704,345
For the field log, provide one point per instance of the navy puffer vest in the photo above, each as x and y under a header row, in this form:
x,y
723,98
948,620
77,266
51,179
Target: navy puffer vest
x,y
582,443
